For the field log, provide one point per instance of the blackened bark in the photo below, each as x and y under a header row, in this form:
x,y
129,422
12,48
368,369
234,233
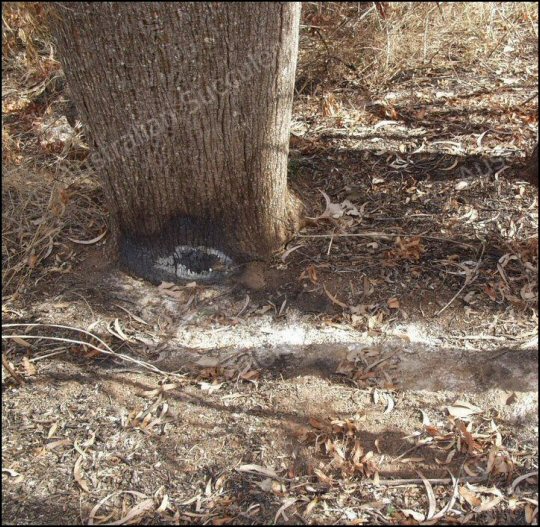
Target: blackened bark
x,y
189,106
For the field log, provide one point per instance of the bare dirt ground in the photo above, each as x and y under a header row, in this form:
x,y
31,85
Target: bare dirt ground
x,y
382,369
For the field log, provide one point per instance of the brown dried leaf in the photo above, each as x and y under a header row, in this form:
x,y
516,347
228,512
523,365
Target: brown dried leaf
x,y
250,375
21,341
29,368
226,520
323,478
77,473
393,303
257,469
281,510
137,510
310,506
59,443
472,445
488,504
315,423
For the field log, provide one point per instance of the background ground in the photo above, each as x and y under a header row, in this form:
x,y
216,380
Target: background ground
x,y
382,368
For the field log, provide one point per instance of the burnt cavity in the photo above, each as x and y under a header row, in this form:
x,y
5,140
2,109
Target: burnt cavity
x,y
185,250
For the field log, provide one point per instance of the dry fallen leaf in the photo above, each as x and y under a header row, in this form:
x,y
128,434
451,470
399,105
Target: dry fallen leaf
x,y
488,504
29,368
472,445
21,341
390,403
226,520
258,469
531,514
281,510
393,303
431,496
59,443
89,242
250,375
332,210
461,409
469,496
323,478
135,511
77,473
310,507
315,423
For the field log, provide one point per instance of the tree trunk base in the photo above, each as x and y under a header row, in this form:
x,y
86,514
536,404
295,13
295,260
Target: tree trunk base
x,y
189,249
531,173
184,251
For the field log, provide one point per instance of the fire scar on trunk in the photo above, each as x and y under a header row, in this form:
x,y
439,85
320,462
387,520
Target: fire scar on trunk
x,y
195,263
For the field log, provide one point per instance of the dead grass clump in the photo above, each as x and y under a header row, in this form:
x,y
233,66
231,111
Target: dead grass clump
x,y
48,193
374,43
41,214
25,37
32,77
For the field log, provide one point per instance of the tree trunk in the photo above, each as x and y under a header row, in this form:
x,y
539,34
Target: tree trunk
x,y
188,107
532,167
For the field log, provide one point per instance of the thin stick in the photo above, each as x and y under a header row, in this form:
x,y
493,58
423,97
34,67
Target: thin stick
x,y
47,355
529,99
16,377
435,481
15,325
84,343
330,244
385,235
467,282
109,351
481,337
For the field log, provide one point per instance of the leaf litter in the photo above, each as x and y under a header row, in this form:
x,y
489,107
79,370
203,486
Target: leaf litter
x,y
165,420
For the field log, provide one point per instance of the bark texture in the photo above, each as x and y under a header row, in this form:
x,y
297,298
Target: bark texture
x,y
532,167
188,106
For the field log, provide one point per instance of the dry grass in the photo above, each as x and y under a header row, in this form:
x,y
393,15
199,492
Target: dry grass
x,y
41,212
365,45
47,193
433,255
375,42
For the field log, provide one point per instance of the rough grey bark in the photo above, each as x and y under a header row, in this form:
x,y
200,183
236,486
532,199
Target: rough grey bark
x,y
188,106
532,167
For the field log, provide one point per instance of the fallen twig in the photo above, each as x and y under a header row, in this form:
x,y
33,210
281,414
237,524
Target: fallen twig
x,y
434,481
106,351
467,282
16,377
384,235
